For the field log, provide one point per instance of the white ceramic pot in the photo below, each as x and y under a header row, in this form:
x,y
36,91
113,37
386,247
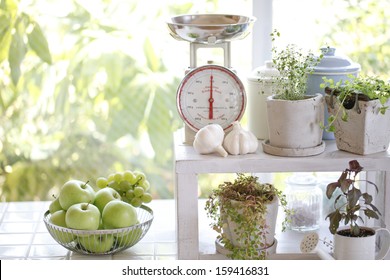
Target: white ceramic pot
x,y
295,124
362,248
364,133
270,220
271,250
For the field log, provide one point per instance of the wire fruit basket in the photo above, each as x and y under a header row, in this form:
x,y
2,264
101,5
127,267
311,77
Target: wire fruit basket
x,y
104,241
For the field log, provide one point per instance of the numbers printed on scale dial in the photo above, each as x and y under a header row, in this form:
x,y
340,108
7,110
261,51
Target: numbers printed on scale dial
x,y
211,94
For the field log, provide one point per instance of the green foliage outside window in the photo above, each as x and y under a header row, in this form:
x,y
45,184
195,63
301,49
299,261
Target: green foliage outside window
x,y
362,29
85,90
101,100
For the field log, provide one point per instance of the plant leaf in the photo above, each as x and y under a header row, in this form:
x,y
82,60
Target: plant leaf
x,y
334,219
374,208
354,166
354,216
38,43
331,188
367,198
374,185
150,54
371,214
16,54
355,230
353,197
345,184
344,116
5,35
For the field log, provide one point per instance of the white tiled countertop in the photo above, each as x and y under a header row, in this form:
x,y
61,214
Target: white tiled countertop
x,y
23,235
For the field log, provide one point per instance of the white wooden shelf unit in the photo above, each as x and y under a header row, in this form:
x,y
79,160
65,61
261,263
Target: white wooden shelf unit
x,y
188,164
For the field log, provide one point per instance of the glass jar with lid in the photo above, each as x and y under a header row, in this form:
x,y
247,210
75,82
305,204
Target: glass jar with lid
x,y
304,198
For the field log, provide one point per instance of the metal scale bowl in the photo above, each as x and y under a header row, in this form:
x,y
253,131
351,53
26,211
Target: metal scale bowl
x,y
210,28
210,31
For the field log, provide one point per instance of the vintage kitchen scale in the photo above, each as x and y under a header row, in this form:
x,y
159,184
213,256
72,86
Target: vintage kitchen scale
x,y
210,93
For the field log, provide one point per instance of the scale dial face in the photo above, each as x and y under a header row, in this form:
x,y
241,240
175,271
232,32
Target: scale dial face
x,y
210,94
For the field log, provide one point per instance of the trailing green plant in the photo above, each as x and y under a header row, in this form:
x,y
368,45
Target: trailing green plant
x,y
348,92
244,201
357,203
294,65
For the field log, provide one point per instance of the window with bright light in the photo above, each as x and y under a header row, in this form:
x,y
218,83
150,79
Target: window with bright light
x,y
100,96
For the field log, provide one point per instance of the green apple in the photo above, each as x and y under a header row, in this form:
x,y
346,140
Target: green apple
x,y
118,214
101,223
83,215
103,196
55,206
58,219
97,243
126,239
75,191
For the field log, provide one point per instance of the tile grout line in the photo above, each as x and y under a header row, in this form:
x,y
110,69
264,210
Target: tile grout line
x,y
5,210
34,233
41,212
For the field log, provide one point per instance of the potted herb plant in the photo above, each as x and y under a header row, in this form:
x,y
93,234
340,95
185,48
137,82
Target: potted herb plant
x,y
354,241
244,214
294,118
357,114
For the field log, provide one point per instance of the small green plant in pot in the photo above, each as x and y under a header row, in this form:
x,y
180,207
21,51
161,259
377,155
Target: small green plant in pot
x,y
352,240
243,213
294,118
357,113
294,65
363,88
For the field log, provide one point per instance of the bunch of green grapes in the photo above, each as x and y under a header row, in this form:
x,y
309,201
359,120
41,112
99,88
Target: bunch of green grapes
x,y
131,185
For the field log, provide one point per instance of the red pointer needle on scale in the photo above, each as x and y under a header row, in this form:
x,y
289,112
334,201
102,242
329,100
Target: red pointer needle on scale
x,y
211,99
